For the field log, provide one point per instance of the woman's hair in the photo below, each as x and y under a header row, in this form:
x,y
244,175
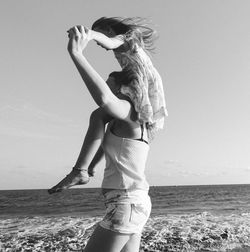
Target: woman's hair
x,y
135,28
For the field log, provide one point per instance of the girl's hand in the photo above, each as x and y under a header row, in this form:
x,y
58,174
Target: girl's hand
x,y
79,37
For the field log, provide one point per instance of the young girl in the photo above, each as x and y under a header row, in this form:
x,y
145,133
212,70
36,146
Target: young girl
x,y
139,82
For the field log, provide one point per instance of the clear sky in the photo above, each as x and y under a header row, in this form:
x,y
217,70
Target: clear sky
x,y
203,55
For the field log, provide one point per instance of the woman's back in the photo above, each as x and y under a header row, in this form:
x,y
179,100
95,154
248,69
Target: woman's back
x,y
128,129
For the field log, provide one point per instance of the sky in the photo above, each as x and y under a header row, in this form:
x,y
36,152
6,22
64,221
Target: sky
x,y
202,54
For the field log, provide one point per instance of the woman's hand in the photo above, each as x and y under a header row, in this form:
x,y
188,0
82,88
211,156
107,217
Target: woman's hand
x,y
79,37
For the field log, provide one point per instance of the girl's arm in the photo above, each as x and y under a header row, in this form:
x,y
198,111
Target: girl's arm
x,y
105,41
98,88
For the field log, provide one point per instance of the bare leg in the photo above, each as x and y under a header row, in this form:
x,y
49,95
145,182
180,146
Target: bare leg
x,y
103,240
75,177
79,174
133,244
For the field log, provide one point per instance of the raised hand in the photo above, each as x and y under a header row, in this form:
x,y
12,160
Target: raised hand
x,y
79,36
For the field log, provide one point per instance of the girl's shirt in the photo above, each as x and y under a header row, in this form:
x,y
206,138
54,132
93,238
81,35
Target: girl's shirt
x,y
144,86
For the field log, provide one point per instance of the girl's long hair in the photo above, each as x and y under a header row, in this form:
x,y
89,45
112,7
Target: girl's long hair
x,y
136,27
136,31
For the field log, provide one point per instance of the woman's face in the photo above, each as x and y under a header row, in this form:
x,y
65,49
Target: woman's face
x,y
108,32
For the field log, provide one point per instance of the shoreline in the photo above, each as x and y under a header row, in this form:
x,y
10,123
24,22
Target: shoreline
x,y
151,187
187,232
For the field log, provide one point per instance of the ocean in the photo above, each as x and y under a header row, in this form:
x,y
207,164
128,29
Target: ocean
x,y
183,218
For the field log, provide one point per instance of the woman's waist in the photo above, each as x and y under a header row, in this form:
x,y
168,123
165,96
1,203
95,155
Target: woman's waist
x,y
124,182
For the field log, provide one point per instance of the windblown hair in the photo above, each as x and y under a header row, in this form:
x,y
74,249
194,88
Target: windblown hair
x,y
136,79
136,28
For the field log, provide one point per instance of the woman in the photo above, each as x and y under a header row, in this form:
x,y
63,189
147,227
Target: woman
x,y
132,104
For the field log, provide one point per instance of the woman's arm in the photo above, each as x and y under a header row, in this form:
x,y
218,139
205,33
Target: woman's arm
x,y
97,87
105,41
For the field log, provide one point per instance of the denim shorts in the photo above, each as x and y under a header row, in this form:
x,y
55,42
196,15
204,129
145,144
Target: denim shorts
x,y
126,211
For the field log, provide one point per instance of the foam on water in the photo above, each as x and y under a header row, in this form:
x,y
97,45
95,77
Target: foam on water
x,y
197,232
187,232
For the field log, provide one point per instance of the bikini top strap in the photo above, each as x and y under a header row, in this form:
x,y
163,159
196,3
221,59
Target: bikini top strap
x,y
142,131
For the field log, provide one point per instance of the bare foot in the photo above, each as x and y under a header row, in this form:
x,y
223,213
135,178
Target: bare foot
x,y
76,177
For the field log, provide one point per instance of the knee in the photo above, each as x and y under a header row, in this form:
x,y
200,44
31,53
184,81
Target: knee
x,y
95,117
99,116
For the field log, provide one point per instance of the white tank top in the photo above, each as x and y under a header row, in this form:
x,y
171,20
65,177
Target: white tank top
x,y
125,162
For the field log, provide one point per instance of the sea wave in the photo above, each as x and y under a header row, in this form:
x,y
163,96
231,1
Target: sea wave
x,y
187,232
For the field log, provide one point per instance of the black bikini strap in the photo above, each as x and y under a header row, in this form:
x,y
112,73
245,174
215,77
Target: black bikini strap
x,y
142,130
